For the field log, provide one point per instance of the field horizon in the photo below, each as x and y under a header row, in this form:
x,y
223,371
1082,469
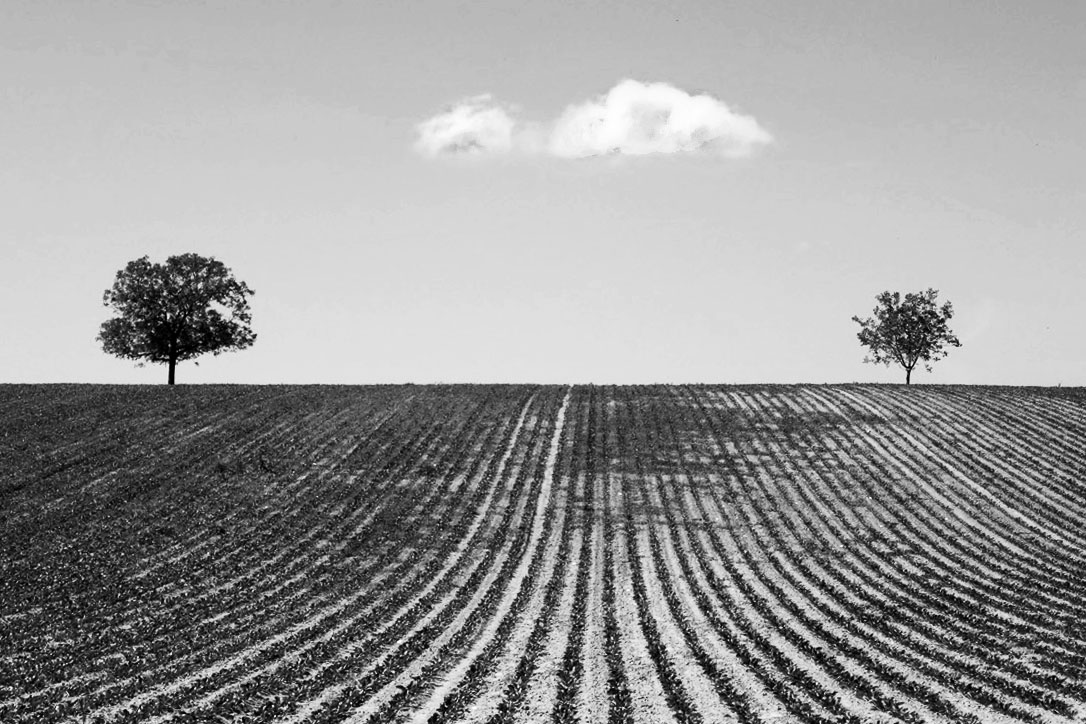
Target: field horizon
x,y
849,552
146,385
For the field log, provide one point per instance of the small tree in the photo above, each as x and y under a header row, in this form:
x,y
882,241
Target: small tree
x,y
907,331
171,312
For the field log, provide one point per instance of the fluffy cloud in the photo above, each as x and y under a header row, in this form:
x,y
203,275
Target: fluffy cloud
x,y
474,126
632,118
637,118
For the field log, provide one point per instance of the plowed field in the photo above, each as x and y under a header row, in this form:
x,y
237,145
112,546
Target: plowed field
x,y
542,554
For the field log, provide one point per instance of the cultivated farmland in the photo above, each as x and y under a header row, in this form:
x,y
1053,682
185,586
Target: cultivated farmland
x,y
542,554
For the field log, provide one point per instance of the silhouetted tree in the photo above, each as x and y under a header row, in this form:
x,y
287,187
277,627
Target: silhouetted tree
x,y
171,312
907,331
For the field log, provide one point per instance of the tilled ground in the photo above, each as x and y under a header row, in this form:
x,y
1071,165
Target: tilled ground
x,y
537,553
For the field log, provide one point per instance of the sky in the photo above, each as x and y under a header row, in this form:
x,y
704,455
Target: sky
x,y
555,192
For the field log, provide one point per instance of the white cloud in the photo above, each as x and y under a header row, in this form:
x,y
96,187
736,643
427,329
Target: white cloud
x,y
474,126
637,118
632,118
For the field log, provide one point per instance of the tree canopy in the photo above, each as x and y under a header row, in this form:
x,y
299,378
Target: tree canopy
x,y
907,331
167,313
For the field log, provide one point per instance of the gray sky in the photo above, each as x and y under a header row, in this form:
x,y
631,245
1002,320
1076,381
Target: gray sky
x,y
914,145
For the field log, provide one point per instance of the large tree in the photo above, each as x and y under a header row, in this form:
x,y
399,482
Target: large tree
x,y
907,331
167,313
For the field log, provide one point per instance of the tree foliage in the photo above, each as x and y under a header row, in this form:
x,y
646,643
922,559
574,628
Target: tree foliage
x,y
907,331
167,313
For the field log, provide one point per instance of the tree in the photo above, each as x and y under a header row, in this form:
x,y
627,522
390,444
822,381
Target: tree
x,y
171,312
907,331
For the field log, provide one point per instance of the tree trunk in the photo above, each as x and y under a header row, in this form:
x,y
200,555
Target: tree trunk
x,y
173,364
908,375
